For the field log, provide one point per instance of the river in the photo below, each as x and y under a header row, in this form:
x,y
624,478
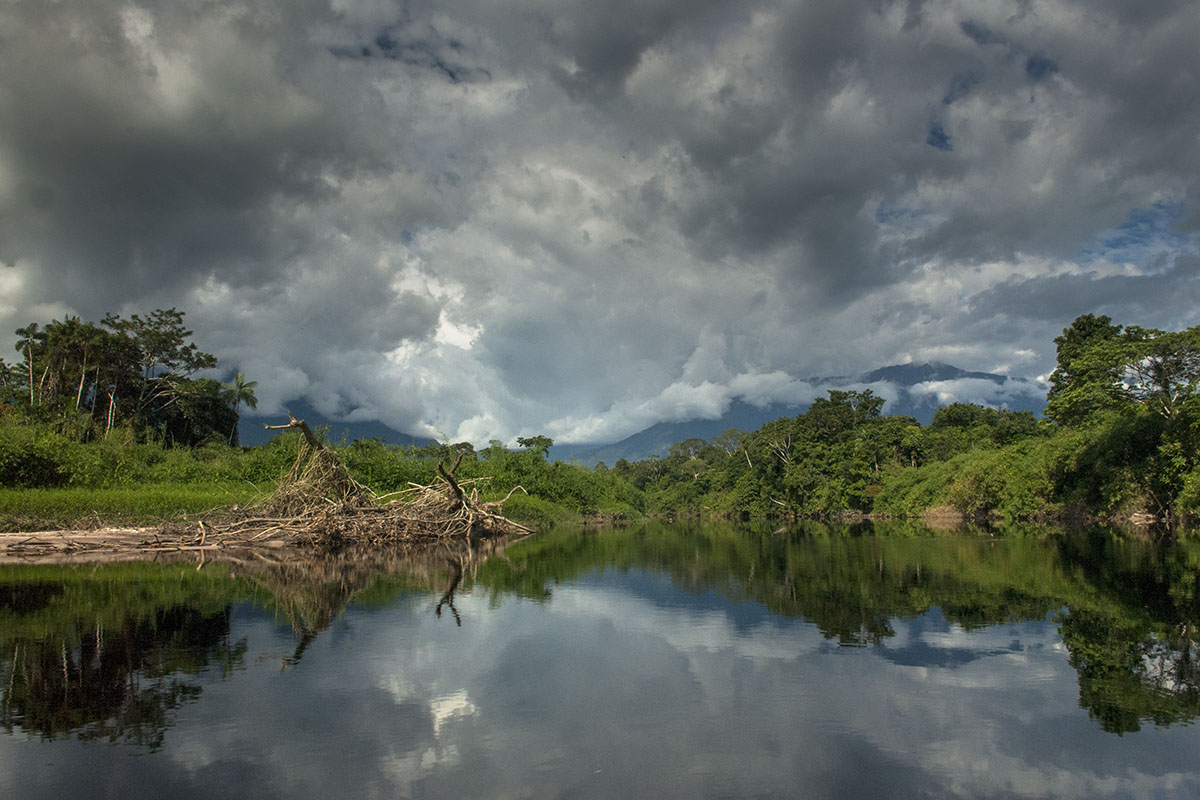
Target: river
x,y
660,660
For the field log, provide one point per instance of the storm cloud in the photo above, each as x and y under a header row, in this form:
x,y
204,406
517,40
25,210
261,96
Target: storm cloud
x,y
491,219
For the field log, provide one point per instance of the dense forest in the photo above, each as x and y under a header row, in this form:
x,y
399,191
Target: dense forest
x,y
95,407
1119,440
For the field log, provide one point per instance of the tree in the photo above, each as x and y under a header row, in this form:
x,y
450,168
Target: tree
x,y
1087,380
240,391
688,449
31,337
1163,369
536,444
841,411
961,415
162,343
466,449
1106,367
83,376
199,412
11,382
164,360
883,441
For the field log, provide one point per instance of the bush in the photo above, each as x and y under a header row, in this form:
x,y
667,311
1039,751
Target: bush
x,y
31,456
1013,483
537,513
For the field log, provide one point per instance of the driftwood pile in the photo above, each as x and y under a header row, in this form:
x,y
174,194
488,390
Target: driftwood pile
x,y
317,506
319,503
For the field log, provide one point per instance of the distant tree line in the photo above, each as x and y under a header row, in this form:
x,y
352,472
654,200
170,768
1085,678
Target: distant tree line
x,y
835,458
1120,440
133,374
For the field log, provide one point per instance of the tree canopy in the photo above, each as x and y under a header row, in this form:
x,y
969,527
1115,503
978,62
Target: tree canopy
x,y
137,372
536,444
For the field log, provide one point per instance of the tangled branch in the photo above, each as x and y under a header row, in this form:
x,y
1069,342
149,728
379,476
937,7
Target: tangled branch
x,y
320,503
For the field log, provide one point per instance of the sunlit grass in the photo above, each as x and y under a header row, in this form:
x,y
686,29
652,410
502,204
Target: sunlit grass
x,y
29,509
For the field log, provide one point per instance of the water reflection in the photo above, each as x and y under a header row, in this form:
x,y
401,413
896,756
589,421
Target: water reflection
x,y
119,684
1127,609
109,652
669,659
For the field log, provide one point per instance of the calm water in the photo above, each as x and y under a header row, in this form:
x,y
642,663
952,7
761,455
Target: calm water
x,y
660,661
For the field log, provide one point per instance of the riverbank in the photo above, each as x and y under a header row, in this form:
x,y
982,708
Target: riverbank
x,y
92,545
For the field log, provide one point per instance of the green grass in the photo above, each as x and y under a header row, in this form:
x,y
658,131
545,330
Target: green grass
x,y
35,509
534,512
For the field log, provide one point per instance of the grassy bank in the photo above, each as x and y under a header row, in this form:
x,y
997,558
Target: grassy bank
x,y
50,481
52,509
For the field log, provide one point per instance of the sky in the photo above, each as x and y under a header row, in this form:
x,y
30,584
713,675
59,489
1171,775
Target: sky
x,y
486,219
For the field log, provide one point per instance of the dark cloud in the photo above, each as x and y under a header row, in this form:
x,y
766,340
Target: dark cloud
x,y
981,34
1038,66
496,217
960,87
162,150
1167,298
604,43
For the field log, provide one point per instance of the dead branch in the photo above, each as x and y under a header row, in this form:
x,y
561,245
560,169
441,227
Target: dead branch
x,y
319,503
309,436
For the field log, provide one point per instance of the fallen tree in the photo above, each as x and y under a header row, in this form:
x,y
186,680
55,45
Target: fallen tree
x,y
320,503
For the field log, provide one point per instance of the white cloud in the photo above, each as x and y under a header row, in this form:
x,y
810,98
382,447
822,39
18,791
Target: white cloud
x,y
487,221
974,390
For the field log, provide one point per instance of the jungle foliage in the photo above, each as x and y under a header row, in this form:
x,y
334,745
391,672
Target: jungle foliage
x,y
133,376
1119,440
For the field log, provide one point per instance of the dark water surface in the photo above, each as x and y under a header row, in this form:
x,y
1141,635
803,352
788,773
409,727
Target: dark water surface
x,y
658,661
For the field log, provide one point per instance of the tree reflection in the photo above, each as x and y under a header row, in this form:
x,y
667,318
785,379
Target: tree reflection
x,y
1127,610
111,654
106,659
312,593
116,684
1128,675
1135,645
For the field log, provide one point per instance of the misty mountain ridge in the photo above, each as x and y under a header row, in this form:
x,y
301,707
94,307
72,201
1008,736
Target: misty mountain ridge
x,y
913,374
915,390
251,431
916,387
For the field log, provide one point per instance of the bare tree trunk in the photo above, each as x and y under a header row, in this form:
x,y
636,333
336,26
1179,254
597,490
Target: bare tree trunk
x,y
42,384
112,411
309,436
29,358
82,376
236,404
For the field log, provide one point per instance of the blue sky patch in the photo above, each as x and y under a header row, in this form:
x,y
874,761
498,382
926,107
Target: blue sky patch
x,y
1039,66
960,87
1146,233
938,137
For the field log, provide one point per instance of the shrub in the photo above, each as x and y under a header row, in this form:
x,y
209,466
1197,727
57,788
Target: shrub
x,y
31,456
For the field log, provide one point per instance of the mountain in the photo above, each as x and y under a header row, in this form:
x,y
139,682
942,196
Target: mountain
x,y
251,431
913,374
659,437
914,390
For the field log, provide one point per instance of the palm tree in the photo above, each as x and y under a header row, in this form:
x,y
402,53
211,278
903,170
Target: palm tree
x,y
240,391
30,335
